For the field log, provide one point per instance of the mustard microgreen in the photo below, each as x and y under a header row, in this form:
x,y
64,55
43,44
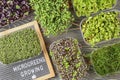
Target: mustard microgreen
x,y
104,26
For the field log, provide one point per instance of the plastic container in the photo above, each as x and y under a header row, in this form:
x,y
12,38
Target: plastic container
x,y
92,74
65,44
106,70
112,8
81,23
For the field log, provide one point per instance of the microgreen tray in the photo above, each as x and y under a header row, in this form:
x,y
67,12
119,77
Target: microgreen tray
x,y
102,27
68,59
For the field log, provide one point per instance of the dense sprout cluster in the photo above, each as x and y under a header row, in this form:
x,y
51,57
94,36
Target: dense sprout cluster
x,y
106,60
86,7
53,15
18,46
11,10
68,59
104,26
